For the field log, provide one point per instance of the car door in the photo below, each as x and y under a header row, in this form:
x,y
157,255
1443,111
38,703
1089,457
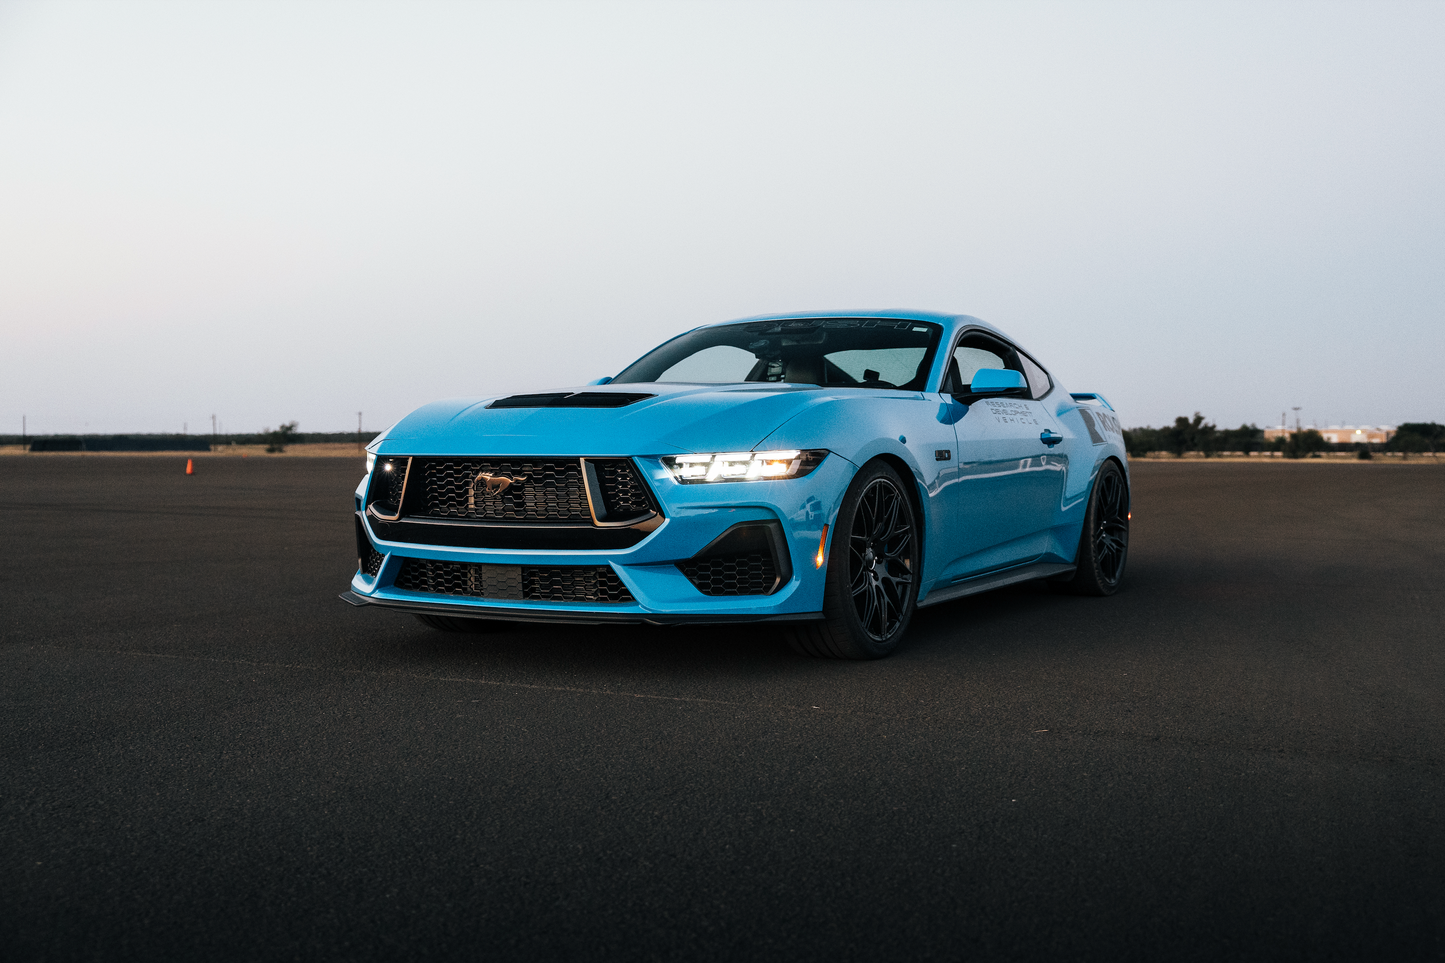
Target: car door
x,y
1008,481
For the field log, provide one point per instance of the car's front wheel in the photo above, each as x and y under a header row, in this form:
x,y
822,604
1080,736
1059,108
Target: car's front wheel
x,y
872,578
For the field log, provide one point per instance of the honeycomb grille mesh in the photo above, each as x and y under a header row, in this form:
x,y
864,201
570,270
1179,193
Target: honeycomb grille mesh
x,y
517,583
519,489
371,561
753,574
623,492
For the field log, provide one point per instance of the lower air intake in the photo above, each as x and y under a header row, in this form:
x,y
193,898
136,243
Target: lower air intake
x,y
751,558
732,574
515,583
368,559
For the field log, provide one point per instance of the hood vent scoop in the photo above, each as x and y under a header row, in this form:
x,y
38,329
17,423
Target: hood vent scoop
x,y
569,399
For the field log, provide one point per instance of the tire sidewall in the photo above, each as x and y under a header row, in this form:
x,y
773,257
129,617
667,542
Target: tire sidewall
x,y
1089,561
838,599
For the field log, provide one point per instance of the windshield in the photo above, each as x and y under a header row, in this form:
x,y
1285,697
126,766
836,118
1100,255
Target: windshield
x,y
852,352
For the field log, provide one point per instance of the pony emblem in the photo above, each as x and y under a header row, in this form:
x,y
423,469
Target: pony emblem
x,y
492,484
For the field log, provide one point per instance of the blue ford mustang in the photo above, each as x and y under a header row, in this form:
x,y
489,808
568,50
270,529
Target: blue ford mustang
x,y
831,472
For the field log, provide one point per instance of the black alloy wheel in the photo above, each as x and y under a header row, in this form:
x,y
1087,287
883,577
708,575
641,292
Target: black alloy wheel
x,y
1104,542
872,584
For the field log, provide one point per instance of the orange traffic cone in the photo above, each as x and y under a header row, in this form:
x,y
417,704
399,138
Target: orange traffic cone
x,y
190,467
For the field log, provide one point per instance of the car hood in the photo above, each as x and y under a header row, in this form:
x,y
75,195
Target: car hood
x,y
678,418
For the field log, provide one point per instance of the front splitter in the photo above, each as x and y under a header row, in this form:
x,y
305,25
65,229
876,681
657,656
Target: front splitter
x,y
570,617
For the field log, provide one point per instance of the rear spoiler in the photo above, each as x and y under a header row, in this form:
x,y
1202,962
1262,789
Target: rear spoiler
x,y
1090,398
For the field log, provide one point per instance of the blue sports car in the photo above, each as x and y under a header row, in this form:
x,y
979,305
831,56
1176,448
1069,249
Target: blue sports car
x,y
830,472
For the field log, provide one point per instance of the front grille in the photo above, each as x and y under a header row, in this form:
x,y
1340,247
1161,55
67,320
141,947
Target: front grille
x,y
516,490
517,583
752,574
624,495
572,583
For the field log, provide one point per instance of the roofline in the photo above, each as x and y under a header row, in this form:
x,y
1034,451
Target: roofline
x,y
902,314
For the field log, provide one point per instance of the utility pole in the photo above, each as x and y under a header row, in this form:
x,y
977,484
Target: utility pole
x,y
214,440
1296,417
23,443
358,431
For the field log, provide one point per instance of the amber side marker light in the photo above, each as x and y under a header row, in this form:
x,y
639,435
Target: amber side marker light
x,y
822,543
1130,517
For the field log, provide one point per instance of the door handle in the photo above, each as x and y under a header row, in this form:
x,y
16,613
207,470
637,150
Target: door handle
x,y
1050,438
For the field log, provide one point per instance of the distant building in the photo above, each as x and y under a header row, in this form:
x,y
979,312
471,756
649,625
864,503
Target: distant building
x,y
1342,434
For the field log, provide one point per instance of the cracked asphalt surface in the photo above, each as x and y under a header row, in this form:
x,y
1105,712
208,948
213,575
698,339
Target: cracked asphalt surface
x,y
204,754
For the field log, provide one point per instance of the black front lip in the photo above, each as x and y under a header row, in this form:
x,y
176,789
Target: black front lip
x,y
574,617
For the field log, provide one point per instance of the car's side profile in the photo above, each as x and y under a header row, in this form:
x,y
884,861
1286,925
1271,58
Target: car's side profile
x,y
830,471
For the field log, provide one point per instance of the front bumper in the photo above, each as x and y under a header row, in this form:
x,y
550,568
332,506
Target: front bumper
x,y
696,515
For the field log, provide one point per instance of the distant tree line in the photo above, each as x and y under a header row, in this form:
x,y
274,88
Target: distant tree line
x,y
1197,435
274,440
1418,436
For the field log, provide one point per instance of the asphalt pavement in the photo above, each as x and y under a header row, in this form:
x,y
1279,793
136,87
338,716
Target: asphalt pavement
x,y
205,755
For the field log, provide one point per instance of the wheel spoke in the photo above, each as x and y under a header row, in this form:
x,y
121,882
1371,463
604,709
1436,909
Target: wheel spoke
x,y
883,619
880,559
888,522
870,602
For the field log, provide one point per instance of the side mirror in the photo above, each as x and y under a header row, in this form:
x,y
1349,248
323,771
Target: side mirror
x,y
601,381
995,381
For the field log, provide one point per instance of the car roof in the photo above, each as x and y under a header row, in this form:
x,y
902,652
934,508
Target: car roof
x,y
950,322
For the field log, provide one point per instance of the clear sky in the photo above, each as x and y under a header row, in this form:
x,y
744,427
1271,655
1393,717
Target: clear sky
x,y
278,211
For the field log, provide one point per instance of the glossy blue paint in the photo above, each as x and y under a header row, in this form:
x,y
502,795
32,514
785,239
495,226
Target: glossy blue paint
x,y
1011,490
992,380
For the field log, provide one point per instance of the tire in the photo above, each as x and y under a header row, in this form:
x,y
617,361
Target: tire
x,y
871,586
1104,542
453,623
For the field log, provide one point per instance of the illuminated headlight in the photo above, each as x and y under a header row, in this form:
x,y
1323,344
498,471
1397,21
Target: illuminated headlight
x,y
743,465
371,447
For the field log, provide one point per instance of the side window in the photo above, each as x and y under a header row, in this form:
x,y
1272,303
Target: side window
x,y
975,352
1039,381
969,359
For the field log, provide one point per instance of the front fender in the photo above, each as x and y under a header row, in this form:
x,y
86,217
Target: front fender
x,y
908,427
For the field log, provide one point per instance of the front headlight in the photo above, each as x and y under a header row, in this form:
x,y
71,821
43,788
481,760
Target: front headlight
x,y
743,465
372,445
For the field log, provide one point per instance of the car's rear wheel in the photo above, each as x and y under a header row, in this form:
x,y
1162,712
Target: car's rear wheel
x,y
871,586
453,623
1104,542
